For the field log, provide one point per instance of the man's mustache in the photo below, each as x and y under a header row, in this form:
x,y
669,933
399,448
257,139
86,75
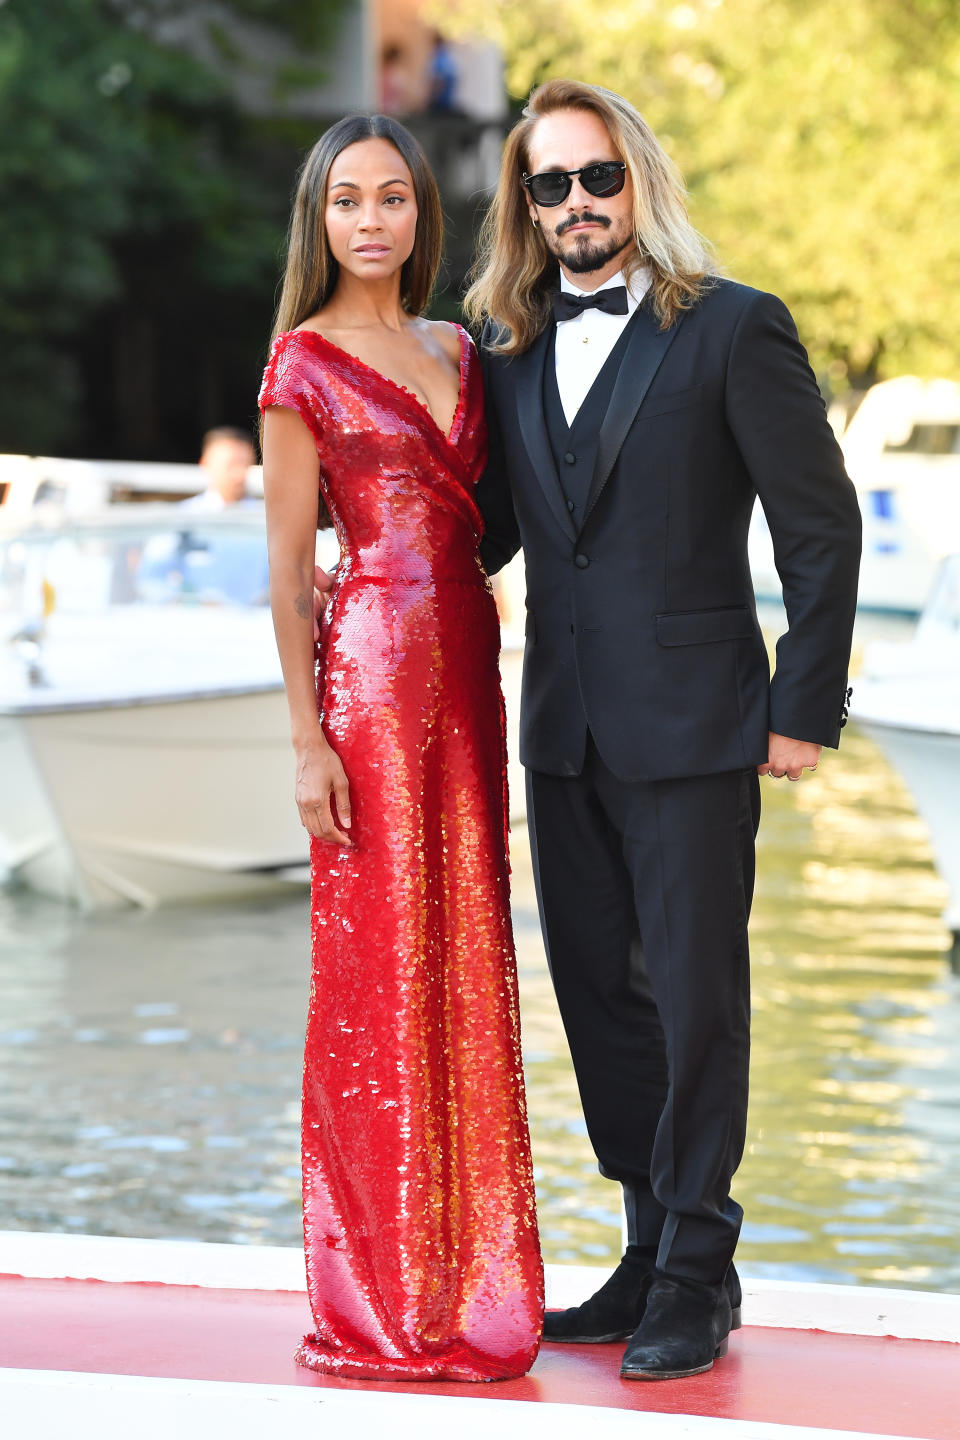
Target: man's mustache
x,y
583,219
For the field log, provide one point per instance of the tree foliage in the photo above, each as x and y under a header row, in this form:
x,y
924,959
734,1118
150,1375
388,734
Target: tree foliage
x,y
820,143
115,147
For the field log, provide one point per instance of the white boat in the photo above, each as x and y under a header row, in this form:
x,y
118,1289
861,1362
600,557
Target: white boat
x,y
902,452
908,699
84,487
144,740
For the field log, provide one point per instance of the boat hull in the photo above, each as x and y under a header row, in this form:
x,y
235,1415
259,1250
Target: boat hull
x,y
929,762
156,802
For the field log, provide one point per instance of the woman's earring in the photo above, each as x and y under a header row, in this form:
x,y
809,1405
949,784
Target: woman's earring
x,y
536,222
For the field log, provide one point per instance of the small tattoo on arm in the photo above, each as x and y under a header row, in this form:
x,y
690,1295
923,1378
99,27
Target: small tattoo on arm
x,y
302,608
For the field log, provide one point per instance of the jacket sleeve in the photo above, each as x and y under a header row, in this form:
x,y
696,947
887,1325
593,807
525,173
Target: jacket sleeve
x,y
778,417
501,537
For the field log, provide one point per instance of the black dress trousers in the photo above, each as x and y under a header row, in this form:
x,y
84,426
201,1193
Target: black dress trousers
x,y
644,890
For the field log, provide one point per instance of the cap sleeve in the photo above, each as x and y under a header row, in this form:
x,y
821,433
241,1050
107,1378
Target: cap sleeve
x,y
282,380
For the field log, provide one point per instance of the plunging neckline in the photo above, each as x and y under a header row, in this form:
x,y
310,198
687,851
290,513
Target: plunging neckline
x,y
449,438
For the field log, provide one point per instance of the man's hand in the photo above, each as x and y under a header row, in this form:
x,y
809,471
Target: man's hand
x,y
788,757
322,585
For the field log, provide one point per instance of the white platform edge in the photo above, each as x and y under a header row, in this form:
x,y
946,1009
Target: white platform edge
x,y
796,1305
51,1404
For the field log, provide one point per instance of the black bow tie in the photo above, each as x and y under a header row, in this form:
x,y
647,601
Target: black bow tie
x,y
568,307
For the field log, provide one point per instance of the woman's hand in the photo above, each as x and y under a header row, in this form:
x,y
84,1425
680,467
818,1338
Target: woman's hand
x,y
320,774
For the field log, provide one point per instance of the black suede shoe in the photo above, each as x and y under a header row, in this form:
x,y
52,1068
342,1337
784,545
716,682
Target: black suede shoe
x,y
616,1310
613,1313
683,1330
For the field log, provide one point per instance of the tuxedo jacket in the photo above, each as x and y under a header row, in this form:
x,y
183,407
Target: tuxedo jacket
x,y
641,622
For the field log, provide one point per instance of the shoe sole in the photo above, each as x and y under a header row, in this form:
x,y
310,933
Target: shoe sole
x,y
625,1374
587,1339
735,1324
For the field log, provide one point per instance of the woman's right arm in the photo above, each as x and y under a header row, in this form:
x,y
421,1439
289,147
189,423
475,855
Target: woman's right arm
x,y
290,488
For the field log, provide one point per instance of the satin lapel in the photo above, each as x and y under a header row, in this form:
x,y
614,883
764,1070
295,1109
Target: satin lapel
x,y
533,428
642,359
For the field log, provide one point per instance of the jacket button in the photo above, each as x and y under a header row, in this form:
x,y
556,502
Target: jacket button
x,y
571,506
581,561
570,458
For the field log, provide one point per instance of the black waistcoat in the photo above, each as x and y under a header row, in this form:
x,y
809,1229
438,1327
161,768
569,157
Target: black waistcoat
x,y
575,446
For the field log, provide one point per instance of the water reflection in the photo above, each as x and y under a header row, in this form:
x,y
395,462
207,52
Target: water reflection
x,y
852,1168
149,1062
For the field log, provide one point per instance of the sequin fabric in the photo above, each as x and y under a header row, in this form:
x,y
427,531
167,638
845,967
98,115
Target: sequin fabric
x,y
419,1222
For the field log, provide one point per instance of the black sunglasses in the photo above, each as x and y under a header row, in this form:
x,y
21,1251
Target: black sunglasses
x,y
551,187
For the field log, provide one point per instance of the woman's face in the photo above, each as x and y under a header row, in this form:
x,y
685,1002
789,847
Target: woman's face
x,y
371,210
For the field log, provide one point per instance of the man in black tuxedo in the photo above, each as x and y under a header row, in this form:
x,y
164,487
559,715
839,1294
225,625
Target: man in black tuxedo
x,y
638,404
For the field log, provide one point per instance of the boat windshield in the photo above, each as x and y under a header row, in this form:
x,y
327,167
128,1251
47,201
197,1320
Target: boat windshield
x,y
927,438
168,559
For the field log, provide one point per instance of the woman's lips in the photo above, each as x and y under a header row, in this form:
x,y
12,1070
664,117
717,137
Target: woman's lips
x,y
371,250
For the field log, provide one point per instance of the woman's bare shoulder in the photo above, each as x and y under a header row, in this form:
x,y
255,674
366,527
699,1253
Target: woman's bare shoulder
x,y
445,333
311,326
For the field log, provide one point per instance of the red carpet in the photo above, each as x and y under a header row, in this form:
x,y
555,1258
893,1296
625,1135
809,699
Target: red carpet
x,y
898,1387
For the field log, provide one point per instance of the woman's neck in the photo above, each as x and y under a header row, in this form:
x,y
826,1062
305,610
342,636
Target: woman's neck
x,y
364,304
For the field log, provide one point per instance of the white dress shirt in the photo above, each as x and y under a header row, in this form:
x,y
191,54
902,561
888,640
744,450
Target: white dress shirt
x,y
585,342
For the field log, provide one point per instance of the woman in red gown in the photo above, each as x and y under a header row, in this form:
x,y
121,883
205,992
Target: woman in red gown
x,y
419,1219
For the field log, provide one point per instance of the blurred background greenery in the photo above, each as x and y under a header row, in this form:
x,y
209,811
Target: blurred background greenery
x,y
148,149
820,144
144,205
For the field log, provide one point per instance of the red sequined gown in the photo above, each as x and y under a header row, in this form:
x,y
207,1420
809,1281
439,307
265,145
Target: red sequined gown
x,y
419,1221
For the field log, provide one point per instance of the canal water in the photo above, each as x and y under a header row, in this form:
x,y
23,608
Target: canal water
x,y
150,1062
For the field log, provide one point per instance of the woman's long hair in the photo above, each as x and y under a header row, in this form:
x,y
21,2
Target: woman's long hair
x,y
311,272
515,272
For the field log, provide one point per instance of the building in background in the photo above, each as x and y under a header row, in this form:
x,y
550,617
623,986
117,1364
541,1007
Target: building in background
x,y
271,74
384,55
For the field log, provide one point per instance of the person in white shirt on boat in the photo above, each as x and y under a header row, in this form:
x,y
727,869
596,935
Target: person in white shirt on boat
x,y
226,457
213,567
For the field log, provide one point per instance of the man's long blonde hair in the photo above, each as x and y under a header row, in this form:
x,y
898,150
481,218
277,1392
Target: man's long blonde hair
x,y
514,272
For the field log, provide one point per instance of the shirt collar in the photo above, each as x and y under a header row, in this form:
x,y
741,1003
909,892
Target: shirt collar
x,y
638,287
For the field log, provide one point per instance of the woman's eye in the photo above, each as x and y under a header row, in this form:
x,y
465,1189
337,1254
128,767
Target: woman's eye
x,y
342,201
395,200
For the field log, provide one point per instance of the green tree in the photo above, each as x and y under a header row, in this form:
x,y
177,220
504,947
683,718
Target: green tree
x,y
820,143
131,182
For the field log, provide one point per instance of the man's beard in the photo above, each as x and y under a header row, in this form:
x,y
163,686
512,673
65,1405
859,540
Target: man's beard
x,y
589,254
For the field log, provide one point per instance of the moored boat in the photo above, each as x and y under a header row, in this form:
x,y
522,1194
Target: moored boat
x,y
902,452
144,750
907,698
